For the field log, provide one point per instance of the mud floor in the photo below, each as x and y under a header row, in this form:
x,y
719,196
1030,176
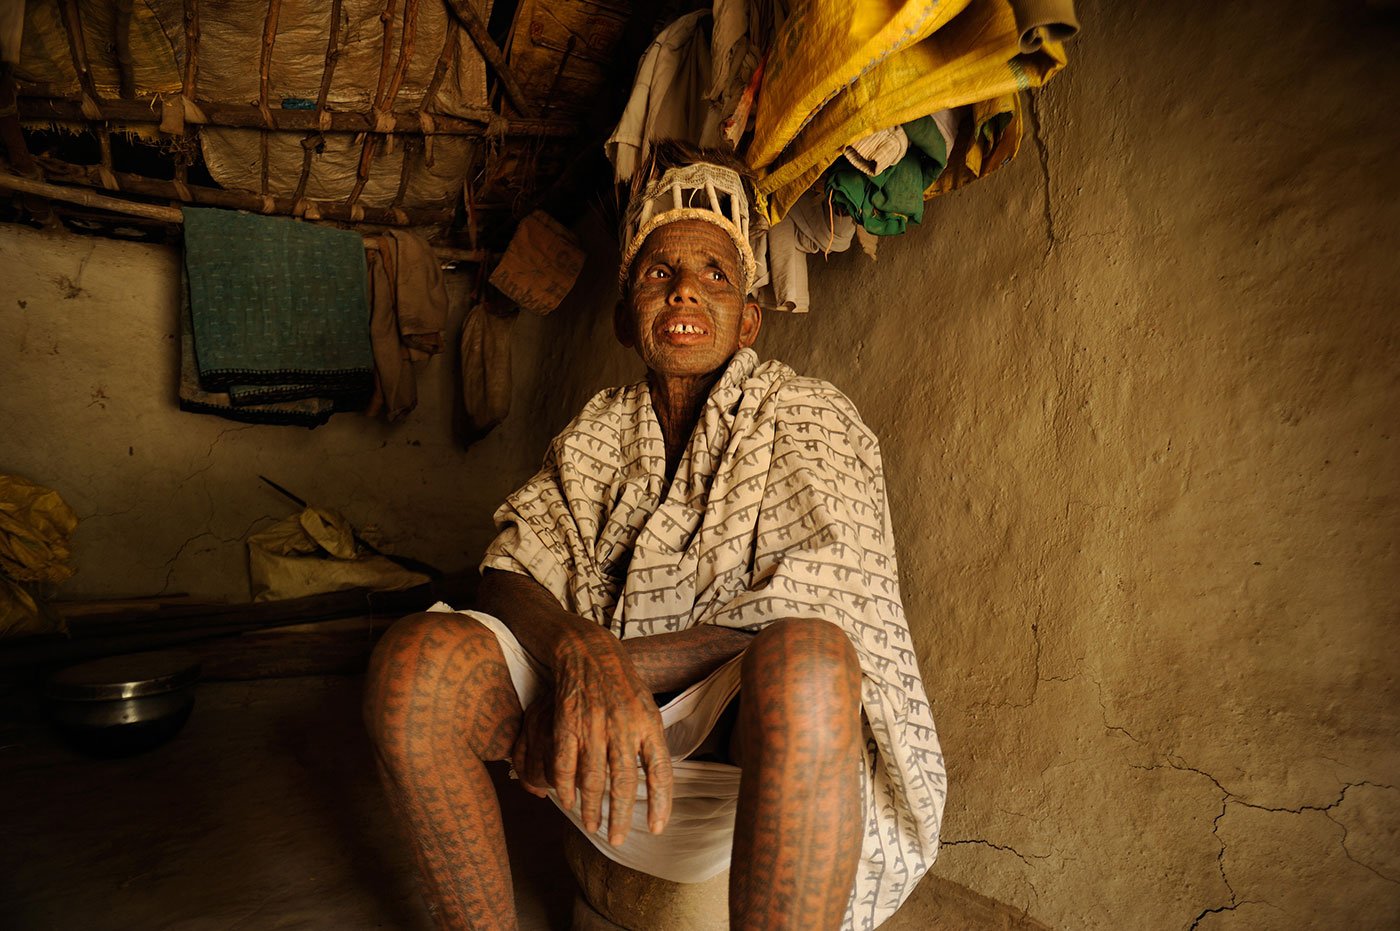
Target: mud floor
x,y
264,813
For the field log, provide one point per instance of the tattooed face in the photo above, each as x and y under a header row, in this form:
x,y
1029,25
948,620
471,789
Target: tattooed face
x,y
684,312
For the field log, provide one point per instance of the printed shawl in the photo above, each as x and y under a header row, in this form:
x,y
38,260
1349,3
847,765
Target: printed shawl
x,y
776,510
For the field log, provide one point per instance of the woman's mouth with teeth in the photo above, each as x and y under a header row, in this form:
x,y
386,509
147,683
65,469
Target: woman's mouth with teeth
x,y
685,328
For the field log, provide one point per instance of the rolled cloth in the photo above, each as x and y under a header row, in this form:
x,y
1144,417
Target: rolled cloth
x,y
776,510
1042,21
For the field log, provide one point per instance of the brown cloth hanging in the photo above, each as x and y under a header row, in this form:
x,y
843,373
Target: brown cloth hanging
x,y
408,298
486,375
540,265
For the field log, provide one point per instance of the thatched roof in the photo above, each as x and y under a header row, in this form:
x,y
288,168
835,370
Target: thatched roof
x,y
360,112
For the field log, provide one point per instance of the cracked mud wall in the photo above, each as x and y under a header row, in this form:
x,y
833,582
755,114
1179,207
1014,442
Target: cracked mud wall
x,y
1139,397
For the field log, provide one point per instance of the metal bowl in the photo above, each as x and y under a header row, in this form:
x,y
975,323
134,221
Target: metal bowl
x,y
123,705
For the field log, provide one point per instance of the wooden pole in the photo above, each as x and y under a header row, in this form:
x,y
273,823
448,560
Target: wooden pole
x,y
246,200
476,28
77,48
425,117
87,198
16,150
308,144
274,8
188,88
121,28
381,93
471,122
410,148
406,42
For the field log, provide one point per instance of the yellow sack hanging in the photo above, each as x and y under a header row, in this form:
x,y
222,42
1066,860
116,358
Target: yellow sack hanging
x,y
314,552
821,49
35,528
975,57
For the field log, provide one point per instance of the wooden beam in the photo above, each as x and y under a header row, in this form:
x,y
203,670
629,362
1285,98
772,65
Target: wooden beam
x,y
471,122
246,200
382,94
127,630
16,150
77,48
406,43
274,9
188,88
476,28
121,39
327,72
88,198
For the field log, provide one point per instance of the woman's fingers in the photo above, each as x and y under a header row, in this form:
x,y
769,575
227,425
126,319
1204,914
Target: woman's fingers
x,y
566,754
622,791
593,773
656,760
533,752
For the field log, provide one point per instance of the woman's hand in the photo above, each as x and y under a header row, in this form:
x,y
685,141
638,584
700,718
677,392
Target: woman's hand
x,y
589,734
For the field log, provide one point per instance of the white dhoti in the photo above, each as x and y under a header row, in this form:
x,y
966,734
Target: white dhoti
x,y
700,833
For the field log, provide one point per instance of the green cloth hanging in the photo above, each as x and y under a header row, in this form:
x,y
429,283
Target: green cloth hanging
x,y
277,302
888,202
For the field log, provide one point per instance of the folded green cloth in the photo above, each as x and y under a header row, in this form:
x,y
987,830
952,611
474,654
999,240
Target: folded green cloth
x,y
306,412
277,302
886,203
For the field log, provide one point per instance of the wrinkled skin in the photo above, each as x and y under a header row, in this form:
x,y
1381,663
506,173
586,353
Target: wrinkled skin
x,y
440,701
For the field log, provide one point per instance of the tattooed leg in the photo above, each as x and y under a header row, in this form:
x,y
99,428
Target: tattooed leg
x,y
799,826
438,702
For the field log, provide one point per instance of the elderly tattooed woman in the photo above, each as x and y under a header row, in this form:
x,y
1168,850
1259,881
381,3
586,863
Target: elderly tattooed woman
x,y
689,632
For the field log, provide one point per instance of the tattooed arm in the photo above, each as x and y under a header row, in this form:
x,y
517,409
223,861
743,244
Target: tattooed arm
x,y
672,661
590,731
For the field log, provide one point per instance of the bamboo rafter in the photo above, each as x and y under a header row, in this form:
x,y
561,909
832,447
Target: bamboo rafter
x,y
474,122
476,28
246,200
387,88
274,9
309,142
121,41
187,89
449,52
77,49
378,124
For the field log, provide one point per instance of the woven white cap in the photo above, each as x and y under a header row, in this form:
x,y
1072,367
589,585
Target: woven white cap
x,y
702,191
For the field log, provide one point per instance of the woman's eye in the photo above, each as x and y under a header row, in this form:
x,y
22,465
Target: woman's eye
x,y
716,275
656,271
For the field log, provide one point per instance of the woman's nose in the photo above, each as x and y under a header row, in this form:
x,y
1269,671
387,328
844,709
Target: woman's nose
x,y
684,288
